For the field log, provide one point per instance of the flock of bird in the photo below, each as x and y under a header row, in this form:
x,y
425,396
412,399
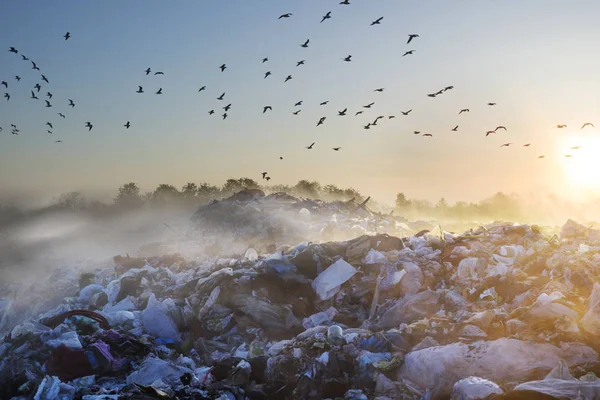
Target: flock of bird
x,y
44,81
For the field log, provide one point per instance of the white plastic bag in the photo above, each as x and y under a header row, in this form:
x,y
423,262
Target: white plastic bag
x,y
473,388
157,321
328,283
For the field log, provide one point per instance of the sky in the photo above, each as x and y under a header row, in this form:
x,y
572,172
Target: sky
x,y
537,60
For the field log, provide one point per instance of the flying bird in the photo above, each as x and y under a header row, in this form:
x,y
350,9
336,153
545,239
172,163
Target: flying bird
x,y
527,145
267,74
49,131
541,156
358,112
367,126
48,105
305,44
211,112
439,92
159,91
489,133
62,115
561,126
406,112
58,141
287,15
587,124
368,105
89,126
411,37
7,96
221,96
377,21
432,95
296,112
326,16
34,66
45,79
448,88
289,77
265,108
127,125
227,107
268,178
38,87
345,2
13,50
281,158
343,112
140,90
71,103
4,83
49,95
506,145
299,63
416,132
202,88
455,128
159,73
408,52
224,116
349,58
67,35
311,146
378,90
50,125
464,110
264,60
500,127
223,67
264,174
336,148
428,134
148,71
18,78
25,58
324,103
33,96
298,104
321,120
491,104
391,117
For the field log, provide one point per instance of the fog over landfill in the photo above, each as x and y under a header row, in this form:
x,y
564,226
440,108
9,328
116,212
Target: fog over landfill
x,y
338,199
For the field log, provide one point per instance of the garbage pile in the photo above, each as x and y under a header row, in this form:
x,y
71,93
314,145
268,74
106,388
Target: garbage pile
x,y
501,312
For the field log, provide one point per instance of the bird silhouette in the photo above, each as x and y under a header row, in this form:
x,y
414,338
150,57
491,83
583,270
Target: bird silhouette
x,y
34,66
4,83
527,145
224,116
439,92
377,21
367,126
281,158
411,37
349,58
358,113
267,74
506,145
428,135
127,125
455,128
264,174
159,91
211,112
89,126
148,71
408,52
416,132
265,108
62,115
448,88
67,35
311,146
159,73
287,15
324,103
391,117
374,123
140,90
18,78
587,124
491,104
33,96
50,125
38,87
305,44
299,63
45,79
202,88
7,96
561,126
500,127
264,60
406,112
71,103
49,95
321,120
378,90
326,16
221,96
343,112
541,156
223,67
49,131
345,2
369,105
432,95
464,110
13,50
298,104
227,107
336,148
24,58
296,112
489,133
268,178
48,105
289,77
58,141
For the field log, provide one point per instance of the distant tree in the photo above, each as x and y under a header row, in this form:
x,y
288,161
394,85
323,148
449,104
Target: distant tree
x,y
71,201
207,190
308,189
279,188
129,196
402,202
189,190
236,185
165,193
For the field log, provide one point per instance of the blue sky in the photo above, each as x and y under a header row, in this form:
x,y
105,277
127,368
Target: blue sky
x,y
536,59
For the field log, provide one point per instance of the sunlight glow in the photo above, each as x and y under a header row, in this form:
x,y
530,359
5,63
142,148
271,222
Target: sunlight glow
x,y
582,169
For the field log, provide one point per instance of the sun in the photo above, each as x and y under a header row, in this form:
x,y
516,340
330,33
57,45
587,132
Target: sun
x,y
580,158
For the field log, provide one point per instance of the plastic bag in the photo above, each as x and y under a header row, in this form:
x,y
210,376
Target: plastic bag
x,y
328,283
157,321
591,320
473,388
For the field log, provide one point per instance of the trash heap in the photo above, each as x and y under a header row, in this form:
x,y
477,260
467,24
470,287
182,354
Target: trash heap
x,y
502,312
